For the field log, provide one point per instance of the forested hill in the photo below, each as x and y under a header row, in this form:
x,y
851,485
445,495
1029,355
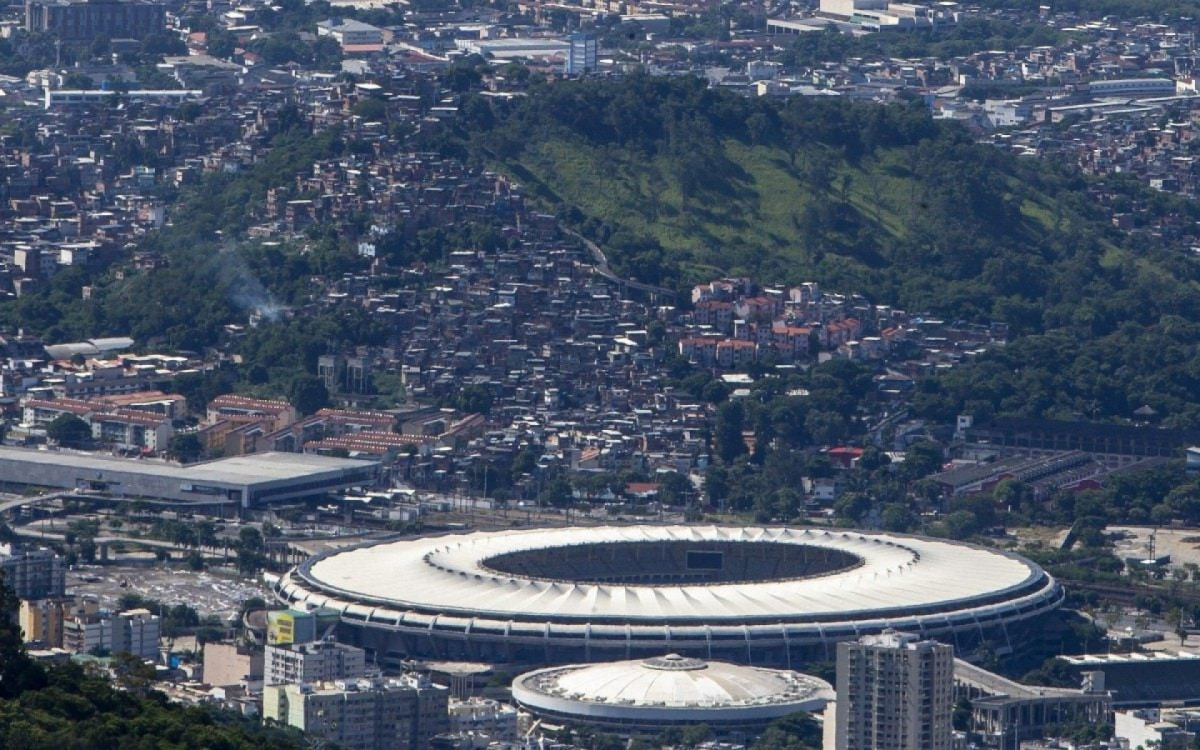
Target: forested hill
x,y
680,182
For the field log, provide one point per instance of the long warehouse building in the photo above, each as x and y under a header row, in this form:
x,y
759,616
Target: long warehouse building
x,y
249,481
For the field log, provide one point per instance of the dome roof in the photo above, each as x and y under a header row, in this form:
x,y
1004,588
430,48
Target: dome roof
x,y
667,685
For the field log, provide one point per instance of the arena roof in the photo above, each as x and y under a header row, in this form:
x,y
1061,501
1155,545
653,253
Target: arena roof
x,y
745,595
673,681
449,575
669,689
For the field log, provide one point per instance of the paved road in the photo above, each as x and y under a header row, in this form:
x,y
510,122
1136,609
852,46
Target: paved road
x,y
604,270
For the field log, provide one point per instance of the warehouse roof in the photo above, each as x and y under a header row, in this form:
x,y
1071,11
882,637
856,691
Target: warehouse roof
x,y
240,470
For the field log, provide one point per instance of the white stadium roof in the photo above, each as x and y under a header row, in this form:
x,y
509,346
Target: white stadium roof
x,y
669,689
448,574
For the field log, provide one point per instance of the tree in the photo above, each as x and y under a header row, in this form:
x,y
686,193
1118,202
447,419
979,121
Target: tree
x,y
371,110
792,732
556,493
68,429
185,447
308,394
730,444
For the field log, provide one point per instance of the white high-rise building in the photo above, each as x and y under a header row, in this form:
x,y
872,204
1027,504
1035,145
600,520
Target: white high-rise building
x,y
894,692
583,55
317,661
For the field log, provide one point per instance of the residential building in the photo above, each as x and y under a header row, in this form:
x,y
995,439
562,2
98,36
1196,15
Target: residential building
x,y
582,56
318,661
32,573
348,32
41,620
88,629
483,716
279,414
393,714
894,692
83,20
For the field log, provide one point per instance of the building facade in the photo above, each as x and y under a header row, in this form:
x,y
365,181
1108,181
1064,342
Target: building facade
x,y
33,573
319,661
89,629
394,714
894,692
86,20
582,55
41,620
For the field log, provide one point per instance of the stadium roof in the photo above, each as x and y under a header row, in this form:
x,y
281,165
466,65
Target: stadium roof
x,y
669,689
895,576
674,681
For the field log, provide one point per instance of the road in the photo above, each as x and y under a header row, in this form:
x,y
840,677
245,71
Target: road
x,y
602,267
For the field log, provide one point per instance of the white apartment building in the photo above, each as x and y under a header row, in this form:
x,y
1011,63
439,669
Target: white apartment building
x,y
88,629
318,661
894,692
393,714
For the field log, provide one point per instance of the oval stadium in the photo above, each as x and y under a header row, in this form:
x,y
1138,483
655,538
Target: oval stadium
x,y
741,594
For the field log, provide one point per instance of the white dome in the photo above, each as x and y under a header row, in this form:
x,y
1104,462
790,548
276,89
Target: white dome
x,y
673,680
669,689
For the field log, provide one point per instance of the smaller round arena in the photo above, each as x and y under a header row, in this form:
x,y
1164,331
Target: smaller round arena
x,y
644,697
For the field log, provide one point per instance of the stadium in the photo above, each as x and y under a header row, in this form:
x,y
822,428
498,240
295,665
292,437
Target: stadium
x,y
746,595
651,695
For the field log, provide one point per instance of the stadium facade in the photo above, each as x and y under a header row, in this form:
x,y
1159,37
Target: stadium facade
x,y
764,596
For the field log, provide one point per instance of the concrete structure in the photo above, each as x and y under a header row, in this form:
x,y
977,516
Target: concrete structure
x,y
84,20
41,620
894,692
32,572
1005,713
766,595
245,480
582,56
318,661
646,697
1153,728
285,626
514,48
1144,680
89,629
1130,88
52,98
401,714
229,665
883,14
484,717
348,32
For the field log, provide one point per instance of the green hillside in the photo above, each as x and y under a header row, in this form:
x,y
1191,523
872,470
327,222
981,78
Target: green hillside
x,y
679,182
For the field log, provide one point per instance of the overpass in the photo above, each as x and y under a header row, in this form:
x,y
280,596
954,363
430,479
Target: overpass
x,y
104,542
602,268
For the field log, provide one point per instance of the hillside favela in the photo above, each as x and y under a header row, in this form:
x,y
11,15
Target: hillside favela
x,y
599,375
